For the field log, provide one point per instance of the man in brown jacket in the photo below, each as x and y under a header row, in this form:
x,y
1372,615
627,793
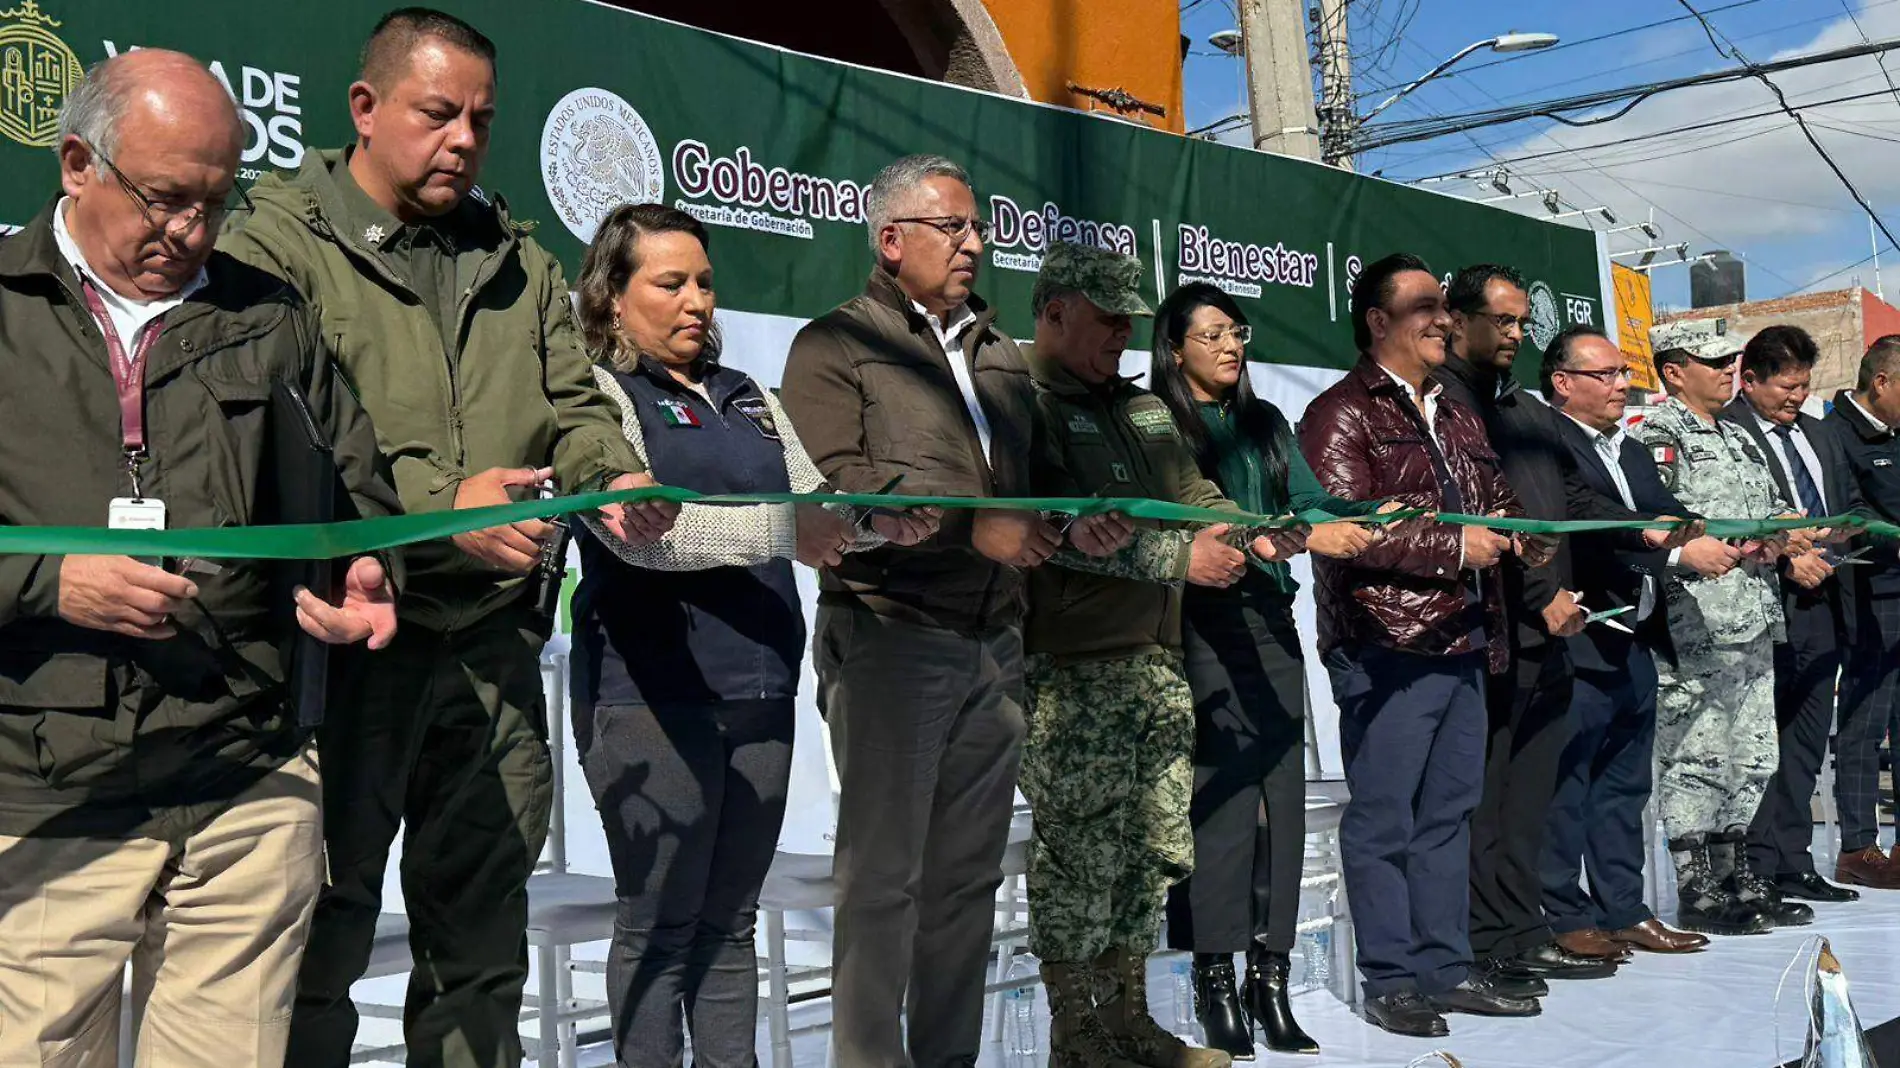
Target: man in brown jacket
x,y
919,645
158,797
1408,630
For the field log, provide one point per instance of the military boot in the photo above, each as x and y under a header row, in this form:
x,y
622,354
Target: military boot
x,y
1754,889
1121,1003
1703,903
1077,1038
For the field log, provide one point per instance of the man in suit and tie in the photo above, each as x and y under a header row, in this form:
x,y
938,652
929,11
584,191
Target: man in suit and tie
x,y
1864,421
1812,471
1595,822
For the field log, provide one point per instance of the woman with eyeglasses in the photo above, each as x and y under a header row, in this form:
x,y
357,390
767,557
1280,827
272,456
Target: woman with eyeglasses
x,y
1246,669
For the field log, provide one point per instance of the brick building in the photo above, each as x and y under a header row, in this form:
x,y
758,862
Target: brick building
x,y
1843,322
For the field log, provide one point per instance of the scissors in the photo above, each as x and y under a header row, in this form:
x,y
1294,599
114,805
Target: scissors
x,y
1607,618
864,521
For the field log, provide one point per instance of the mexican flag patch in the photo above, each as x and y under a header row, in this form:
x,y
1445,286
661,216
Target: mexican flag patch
x,y
677,413
1663,454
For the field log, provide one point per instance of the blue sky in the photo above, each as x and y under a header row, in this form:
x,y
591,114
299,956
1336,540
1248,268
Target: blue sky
x,y
1755,188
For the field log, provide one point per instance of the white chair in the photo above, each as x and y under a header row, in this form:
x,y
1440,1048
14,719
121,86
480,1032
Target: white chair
x,y
565,909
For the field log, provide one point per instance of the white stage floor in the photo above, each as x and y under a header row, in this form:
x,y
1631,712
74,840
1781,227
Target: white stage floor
x,y
1715,1009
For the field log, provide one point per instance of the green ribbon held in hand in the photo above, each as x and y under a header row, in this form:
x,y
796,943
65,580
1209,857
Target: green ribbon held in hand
x,y
358,536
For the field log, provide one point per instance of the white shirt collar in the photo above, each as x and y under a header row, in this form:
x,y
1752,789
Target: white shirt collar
x,y
1614,438
951,326
123,309
1879,427
1432,385
1769,426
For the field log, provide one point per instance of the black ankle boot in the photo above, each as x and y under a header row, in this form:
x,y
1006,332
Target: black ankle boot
x,y
1267,973
1217,1006
1703,903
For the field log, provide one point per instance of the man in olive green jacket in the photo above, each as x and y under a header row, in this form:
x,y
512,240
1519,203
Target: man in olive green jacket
x,y
1107,765
455,331
158,796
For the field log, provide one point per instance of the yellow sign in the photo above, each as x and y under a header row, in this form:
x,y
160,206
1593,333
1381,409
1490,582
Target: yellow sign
x,y
37,70
1634,316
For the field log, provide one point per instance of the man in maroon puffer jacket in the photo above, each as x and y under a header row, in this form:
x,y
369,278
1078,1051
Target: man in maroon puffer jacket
x,y
1408,631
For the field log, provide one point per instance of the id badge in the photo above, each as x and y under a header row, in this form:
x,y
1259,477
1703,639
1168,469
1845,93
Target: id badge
x,y
137,513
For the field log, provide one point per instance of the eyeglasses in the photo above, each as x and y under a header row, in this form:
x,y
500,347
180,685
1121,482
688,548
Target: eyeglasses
x,y
1607,376
954,227
167,214
1239,332
1507,322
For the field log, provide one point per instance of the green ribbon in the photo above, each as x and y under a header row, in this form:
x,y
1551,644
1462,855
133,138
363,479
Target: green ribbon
x,y
356,537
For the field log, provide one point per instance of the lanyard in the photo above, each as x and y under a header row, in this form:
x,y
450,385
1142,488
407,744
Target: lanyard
x,y
128,377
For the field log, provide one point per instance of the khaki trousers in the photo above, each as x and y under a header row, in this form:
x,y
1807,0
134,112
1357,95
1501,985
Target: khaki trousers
x,y
212,920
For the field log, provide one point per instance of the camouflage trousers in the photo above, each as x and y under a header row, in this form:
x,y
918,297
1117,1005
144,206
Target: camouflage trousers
x,y
1716,745
1108,770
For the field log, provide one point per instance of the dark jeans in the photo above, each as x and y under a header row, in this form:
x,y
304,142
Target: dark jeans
x,y
1596,820
445,735
692,796
1530,724
1247,672
1869,712
1807,666
927,731
1411,729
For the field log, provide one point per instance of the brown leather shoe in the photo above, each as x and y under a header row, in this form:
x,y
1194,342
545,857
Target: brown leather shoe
x,y
1655,936
1868,867
1593,942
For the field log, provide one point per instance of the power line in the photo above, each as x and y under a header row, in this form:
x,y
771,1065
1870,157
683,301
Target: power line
x,y
1782,98
1545,88
1625,186
1882,60
1575,44
1861,100
1637,138
1404,131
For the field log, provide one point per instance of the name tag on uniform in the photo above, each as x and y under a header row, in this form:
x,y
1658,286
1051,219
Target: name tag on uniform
x,y
1153,421
1081,423
135,513
1882,461
759,414
677,413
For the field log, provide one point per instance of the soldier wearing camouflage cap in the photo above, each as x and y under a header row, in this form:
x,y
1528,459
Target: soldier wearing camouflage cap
x,y
1107,765
1715,717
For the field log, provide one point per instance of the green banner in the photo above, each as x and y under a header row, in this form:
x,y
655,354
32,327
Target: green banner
x,y
599,106
355,537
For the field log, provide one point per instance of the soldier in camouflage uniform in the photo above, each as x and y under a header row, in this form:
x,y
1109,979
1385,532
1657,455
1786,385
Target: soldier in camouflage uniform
x,y
1715,710
1108,763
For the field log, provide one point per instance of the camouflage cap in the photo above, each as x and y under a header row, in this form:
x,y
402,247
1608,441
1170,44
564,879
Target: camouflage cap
x,y
1693,342
1110,280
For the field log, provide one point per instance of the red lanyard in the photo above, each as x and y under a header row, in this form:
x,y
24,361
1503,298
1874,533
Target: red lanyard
x,y
128,375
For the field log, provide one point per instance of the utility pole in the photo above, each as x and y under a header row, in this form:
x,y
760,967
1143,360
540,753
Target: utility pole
x,y
1338,115
1279,77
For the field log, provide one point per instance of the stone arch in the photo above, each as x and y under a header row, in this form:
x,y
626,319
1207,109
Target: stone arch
x,y
956,41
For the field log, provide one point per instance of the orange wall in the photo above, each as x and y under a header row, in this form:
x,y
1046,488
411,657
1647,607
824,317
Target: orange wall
x,y
1102,44
1880,317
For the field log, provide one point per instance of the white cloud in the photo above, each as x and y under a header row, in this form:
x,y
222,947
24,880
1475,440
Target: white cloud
x,y
1754,187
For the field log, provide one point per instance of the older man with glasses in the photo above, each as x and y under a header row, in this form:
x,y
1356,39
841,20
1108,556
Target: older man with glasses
x,y
919,645
159,795
1594,823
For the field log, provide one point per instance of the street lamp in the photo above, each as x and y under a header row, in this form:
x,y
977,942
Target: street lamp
x,y
1339,141
1228,41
